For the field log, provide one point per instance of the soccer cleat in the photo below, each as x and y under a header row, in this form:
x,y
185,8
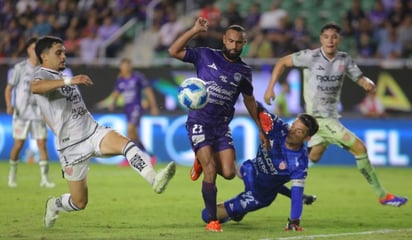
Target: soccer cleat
x,y
293,225
214,226
392,200
196,170
50,216
47,184
309,199
163,177
12,183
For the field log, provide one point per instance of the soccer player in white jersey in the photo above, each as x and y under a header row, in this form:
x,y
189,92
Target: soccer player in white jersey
x,y
325,69
26,116
78,135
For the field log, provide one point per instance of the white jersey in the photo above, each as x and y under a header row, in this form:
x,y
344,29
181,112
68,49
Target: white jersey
x,y
25,106
323,80
64,111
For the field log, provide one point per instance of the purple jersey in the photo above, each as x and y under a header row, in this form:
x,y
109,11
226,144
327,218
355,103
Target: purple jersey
x,y
225,81
131,89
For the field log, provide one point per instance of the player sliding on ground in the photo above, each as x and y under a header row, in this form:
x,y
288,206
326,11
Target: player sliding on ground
x,y
78,136
264,176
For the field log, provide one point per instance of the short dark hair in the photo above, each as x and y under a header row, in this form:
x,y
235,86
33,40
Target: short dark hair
x,y
310,122
30,42
237,28
331,25
45,43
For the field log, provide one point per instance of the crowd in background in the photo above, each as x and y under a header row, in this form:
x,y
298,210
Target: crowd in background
x,y
383,31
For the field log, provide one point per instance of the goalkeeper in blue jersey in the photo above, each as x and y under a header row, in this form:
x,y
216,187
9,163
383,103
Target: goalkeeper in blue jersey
x,y
264,176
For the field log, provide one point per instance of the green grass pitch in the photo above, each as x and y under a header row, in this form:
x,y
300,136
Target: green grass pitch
x,y
123,206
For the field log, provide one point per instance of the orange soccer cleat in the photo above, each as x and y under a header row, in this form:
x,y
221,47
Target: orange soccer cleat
x,y
196,170
214,226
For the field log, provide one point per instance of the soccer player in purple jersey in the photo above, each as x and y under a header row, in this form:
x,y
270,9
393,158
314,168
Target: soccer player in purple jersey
x,y
131,85
265,175
226,77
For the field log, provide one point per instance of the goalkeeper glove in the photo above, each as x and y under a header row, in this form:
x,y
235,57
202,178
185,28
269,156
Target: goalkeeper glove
x,y
293,225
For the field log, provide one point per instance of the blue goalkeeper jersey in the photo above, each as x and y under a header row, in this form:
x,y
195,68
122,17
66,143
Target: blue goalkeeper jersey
x,y
280,160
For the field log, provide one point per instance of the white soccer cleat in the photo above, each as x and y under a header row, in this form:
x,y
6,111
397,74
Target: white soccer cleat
x,y
163,177
12,183
47,184
50,216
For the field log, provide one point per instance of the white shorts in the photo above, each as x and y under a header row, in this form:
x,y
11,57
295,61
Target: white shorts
x,y
22,128
75,158
332,131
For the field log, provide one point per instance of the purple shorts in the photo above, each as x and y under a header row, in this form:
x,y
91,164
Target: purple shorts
x,y
133,114
219,137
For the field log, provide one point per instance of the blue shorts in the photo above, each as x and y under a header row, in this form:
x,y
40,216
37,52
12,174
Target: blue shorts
x,y
219,137
260,191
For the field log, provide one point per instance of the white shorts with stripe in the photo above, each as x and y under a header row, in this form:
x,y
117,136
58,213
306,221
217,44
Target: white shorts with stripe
x,y
74,159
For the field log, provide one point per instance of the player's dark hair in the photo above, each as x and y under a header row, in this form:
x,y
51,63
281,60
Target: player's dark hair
x,y
331,25
44,44
30,42
237,28
310,122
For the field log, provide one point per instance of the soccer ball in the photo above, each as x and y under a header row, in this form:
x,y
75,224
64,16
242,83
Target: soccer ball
x,y
193,94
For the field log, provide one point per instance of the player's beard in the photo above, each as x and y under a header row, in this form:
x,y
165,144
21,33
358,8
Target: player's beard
x,y
61,68
231,56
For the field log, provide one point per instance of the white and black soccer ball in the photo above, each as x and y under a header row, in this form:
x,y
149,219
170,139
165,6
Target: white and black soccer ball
x,y
193,94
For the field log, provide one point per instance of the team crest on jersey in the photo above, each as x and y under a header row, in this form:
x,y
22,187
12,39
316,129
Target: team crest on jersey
x,y
283,165
237,77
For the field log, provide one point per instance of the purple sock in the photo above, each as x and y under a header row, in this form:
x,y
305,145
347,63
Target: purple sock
x,y
209,192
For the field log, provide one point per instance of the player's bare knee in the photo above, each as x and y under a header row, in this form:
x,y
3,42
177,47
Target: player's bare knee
x,y
229,175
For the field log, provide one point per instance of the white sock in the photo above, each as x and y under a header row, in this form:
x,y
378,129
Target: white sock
x,y
139,161
44,170
13,169
64,203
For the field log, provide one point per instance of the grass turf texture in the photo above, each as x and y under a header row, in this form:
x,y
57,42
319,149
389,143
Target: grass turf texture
x,y
123,206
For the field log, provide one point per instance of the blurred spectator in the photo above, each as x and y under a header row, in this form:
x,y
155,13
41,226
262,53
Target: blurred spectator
x,y
272,19
105,32
72,43
232,15
91,26
22,5
398,13
354,15
209,11
279,39
299,34
372,106
89,48
213,37
366,46
252,20
42,27
405,36
392,47
169,31
378,15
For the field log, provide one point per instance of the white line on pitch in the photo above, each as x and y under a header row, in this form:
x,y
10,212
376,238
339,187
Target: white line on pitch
x,y
340,234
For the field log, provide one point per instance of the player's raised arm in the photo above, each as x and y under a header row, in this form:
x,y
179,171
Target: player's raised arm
x,y
250,103
277,71
177,49
38,86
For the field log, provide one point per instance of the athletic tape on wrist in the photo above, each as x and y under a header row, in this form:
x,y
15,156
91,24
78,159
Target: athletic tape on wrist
x,y
67,81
